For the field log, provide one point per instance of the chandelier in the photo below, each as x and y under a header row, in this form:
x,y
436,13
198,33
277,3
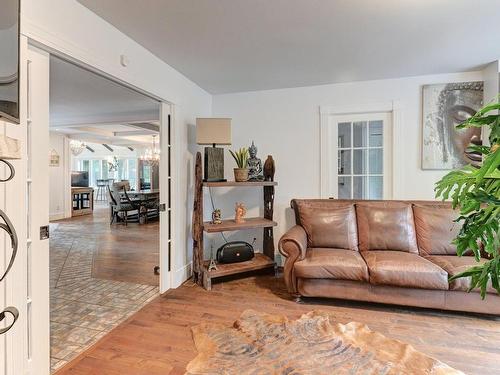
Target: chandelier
x,y
77,147
151,155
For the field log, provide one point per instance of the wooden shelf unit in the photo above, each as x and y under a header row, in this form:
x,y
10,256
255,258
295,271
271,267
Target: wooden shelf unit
x,y
231,225
236,184
261,261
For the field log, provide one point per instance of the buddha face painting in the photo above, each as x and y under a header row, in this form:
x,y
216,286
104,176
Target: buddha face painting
x,y
444,107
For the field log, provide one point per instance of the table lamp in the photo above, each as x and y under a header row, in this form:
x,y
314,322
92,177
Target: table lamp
x,y
213,131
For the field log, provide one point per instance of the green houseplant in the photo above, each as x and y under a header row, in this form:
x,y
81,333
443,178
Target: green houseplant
x,y
241,158
475,191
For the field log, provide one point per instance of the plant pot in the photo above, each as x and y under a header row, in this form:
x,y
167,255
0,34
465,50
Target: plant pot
x,y
241,174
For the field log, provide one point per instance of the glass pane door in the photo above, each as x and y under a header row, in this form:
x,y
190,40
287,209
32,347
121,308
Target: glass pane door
x,y
360,164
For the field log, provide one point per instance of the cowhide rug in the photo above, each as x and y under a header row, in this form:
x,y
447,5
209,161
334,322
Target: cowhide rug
x,y
262,344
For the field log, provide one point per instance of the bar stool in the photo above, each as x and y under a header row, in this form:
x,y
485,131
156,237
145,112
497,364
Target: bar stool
x,y
101,190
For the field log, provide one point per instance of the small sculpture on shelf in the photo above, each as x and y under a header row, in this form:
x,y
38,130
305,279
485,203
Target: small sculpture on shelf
x,y
211,265
269,168
240,212
216,216
254,165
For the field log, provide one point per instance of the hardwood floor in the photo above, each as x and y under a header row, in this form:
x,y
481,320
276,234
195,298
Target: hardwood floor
x,y
157,339
123,253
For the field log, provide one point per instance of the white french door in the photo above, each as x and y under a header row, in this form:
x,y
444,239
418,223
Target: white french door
x,y
357,156
37,344
26,348
167,193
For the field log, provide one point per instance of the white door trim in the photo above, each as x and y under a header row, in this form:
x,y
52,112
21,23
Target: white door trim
x,y
326,113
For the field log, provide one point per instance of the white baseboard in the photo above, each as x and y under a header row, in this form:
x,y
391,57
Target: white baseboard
x,y
181,275
57,216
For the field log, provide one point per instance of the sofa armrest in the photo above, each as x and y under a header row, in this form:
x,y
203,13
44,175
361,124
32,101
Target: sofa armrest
x,y
292,246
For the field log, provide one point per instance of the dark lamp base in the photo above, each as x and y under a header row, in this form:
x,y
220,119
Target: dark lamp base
x,y
214,164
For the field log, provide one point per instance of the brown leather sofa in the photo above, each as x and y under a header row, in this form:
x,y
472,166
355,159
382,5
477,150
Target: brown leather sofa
x,y
394,252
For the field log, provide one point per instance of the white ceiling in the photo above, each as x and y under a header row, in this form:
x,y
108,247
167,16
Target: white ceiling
x,y
111,134
78,96
242,45
91,108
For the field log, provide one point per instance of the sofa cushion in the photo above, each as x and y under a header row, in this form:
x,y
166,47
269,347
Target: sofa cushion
x,y
329,225
403,269
386,226
435,229
339,264
454,265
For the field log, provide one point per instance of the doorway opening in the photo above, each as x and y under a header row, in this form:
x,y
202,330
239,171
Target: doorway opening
x,y
105,209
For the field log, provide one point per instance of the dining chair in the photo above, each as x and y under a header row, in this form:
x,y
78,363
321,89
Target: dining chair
x,y
112,205
123,207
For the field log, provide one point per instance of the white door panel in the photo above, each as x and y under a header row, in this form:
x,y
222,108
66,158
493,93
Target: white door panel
x,y
25,349
166,194
357,156
37,183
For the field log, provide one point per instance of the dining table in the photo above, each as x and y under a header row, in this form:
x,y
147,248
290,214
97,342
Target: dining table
x,y
142,194
141,197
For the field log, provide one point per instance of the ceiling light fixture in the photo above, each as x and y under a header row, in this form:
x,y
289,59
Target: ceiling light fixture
x,y
151,155
77,147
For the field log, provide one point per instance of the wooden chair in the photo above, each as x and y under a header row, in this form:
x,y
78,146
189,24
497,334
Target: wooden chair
x,y
151,205
112,205
123,207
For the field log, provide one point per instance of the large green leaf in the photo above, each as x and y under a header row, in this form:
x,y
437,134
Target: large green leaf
x,y
475,193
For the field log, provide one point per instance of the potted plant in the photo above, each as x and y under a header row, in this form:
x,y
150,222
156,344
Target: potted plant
x,y
475,191
241,158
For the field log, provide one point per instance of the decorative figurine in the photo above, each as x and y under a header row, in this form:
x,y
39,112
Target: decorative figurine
x,y
216,216
212,266
254,165
269,169
240,212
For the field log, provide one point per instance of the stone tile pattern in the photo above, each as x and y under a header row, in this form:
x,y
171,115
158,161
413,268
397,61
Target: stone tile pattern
x,y
82,308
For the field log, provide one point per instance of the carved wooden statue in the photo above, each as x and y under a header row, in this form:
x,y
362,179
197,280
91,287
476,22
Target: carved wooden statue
x,y
240,212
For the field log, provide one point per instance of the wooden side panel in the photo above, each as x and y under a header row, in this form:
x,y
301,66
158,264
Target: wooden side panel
x,y
198,221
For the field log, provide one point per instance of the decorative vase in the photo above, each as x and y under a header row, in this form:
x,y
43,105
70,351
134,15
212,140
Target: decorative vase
x,y
240,174
269,168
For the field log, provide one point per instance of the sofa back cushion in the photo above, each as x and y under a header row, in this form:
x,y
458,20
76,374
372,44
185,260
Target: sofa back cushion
x,y
386,225
328,223
435,229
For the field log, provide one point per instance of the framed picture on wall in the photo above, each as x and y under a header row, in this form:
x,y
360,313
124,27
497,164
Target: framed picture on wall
x,y
444,107
54,159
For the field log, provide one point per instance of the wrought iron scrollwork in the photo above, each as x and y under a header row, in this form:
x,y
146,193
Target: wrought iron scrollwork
x,y
12,311
9,228
11,168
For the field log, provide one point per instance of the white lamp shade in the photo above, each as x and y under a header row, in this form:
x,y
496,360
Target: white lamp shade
x,y
213,131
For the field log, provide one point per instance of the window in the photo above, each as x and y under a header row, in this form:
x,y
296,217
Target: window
x,y
360,160
99,169
359,156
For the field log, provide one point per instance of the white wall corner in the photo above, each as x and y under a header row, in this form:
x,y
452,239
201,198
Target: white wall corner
x,y
182,274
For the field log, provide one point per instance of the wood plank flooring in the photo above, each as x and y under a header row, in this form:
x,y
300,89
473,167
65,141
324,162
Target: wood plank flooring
x,y
123,253
157,339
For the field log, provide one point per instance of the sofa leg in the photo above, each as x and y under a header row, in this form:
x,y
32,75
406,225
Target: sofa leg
x,y
298,299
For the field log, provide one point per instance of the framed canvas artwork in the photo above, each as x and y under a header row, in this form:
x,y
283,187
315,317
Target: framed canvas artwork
x,y
444,107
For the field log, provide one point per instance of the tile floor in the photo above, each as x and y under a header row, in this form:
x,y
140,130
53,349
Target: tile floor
x,y
83,308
